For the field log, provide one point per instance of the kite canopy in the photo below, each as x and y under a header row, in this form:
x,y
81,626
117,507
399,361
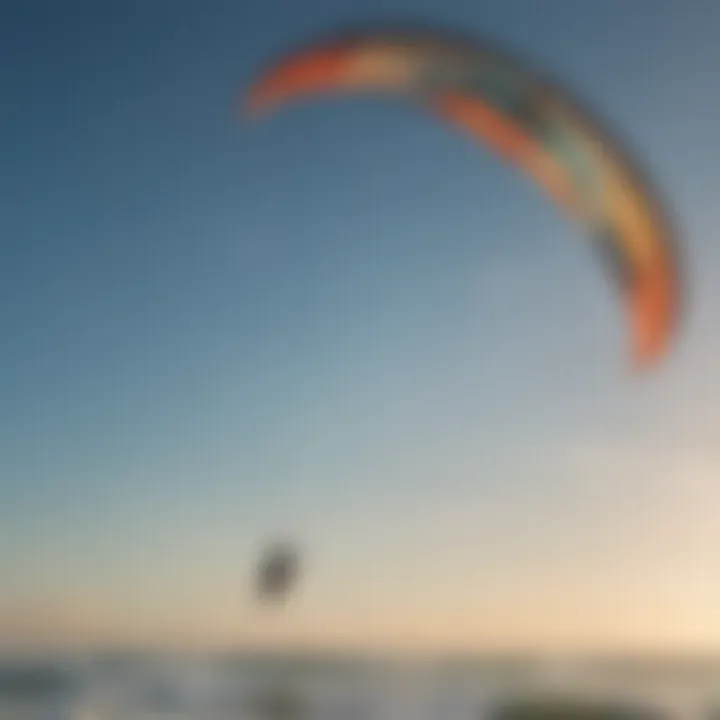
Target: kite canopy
x,y
531,123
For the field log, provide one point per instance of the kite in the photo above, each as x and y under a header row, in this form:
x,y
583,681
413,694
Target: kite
x,y
530,122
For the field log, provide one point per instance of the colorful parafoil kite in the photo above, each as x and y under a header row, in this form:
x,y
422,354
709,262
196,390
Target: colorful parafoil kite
x,y
530,122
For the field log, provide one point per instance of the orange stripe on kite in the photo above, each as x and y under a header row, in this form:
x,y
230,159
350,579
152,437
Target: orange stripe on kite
x,y
652,308
508,141
318,71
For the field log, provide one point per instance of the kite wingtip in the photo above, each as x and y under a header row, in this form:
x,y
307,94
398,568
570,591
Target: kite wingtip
x,y
250,107
645,361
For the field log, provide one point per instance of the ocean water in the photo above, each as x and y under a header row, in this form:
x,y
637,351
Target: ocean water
x,y
123,687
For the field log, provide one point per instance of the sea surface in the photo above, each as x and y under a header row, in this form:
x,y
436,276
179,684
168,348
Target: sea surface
x,y
244,687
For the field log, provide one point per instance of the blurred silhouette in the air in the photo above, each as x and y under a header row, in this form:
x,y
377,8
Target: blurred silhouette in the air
x,y
277,573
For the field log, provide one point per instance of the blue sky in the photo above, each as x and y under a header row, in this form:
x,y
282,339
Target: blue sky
x,y
347,324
